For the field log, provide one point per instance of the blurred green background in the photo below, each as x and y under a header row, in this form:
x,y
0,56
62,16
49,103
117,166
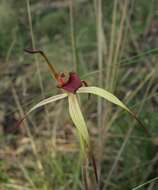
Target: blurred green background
x,y
110,43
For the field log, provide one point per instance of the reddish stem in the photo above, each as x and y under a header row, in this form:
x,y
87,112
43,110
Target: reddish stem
x,y
95,168
52,69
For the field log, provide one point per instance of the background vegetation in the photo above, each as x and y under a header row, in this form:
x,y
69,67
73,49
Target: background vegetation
x,y
112,44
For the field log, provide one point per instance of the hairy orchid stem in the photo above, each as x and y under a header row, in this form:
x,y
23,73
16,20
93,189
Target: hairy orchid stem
x,y
85,176
95,168
52,69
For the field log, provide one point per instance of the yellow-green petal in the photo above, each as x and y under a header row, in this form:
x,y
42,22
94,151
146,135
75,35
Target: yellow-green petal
x,y
47,101
42,103
111,98
78,120
104,94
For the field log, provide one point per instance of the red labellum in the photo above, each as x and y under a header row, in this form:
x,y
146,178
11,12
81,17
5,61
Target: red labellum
x,y
73,84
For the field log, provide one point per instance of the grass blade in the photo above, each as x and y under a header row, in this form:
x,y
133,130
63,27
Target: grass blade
x,y
146,183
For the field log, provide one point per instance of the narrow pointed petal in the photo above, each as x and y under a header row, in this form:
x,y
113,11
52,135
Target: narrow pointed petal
x,y
47,101
78,120
42,103
104,94
111,98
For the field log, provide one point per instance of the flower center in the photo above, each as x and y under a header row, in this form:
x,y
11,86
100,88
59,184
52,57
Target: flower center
x,y
70,84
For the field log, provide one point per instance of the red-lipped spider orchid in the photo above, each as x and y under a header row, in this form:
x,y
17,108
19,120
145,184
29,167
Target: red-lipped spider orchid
x,y
71,86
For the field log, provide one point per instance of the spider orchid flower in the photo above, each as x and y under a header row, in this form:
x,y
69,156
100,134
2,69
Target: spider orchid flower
x,y
71,86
